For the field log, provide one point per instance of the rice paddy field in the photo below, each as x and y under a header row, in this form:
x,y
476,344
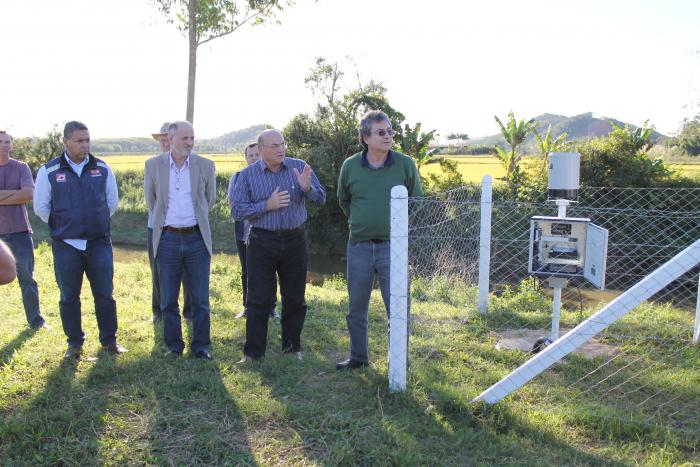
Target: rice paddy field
x,y
472,168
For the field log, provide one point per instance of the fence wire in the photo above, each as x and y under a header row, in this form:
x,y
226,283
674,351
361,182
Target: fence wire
x,y
638,370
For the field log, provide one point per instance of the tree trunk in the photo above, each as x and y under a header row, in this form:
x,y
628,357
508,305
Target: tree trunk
x,y
192,71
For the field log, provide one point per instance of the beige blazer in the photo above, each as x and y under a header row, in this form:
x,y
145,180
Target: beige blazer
x,y
157,181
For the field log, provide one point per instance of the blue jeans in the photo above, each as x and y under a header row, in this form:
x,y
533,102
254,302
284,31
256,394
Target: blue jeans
x,y
22,248
97,263
365,261
185,255
155,283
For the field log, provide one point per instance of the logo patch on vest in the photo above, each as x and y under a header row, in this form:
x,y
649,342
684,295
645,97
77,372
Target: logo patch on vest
x,y
95,173
60,177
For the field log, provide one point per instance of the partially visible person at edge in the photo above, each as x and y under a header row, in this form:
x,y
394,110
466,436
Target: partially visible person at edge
x,y
180,190
162,138
16,190
271,194
8,268
76,193
241,230
364,189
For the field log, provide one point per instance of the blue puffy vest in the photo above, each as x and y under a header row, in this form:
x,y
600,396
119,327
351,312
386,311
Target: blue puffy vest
x,y
78,204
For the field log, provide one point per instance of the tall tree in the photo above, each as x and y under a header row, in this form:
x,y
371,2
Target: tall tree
x,y
205,20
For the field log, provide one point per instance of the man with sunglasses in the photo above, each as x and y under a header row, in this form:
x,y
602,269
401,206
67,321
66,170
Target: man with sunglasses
x,y
364,189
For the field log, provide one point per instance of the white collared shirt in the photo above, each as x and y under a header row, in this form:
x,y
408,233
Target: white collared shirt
x,y
180,211
42,195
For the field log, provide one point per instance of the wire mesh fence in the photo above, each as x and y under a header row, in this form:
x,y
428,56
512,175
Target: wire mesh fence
x,y
639,369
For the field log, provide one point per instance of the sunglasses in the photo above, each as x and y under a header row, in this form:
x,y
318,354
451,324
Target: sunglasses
x,y
383,133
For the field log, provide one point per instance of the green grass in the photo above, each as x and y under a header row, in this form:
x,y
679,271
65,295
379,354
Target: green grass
x,y
142,409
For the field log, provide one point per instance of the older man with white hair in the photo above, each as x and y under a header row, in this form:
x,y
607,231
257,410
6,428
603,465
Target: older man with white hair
x,y
180,189
162,137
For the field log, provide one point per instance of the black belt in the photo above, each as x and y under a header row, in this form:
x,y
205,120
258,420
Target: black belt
x,y
378,240
181,230
280,232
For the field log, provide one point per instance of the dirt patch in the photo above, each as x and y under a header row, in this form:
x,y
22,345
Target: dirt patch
x,y
524,339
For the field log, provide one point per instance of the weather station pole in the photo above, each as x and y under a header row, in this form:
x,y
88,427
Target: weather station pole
x,y
557,283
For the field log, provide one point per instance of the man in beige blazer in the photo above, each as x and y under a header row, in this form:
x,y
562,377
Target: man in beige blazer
x,y
180,189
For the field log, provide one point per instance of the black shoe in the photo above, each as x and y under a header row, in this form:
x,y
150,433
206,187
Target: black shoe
x,y
203,354
73,352
41,325
173,354
115,349
350,364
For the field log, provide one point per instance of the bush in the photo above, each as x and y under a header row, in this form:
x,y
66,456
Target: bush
x,y
37,151
621,159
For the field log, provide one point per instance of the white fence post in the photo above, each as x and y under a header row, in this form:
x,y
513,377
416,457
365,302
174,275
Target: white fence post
x,y
485,243
696,329
398,303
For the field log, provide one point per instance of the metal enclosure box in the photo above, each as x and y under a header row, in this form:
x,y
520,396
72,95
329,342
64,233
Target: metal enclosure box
x,y
567,247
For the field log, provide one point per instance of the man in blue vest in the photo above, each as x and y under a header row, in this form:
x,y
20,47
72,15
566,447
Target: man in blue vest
x,y
76,194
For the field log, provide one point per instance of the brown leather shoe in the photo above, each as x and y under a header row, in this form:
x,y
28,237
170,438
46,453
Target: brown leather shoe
x,y
73,352
114,349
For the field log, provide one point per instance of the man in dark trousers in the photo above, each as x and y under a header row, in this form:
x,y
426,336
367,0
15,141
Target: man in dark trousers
x,y
76,193
241,230
271,194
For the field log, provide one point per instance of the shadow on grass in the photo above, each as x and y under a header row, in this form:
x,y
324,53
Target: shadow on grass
x,y
130,409
8,351
350,417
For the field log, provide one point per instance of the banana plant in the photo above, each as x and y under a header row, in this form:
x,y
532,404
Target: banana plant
x,y
514,132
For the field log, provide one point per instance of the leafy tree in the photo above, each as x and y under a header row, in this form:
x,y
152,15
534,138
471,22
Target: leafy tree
x,y
463,137
37,151
621,159
689,137
416,144
205,20
548,144
514,132
329,136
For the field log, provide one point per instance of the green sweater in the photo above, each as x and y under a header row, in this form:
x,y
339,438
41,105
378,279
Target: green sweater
x,y
364,192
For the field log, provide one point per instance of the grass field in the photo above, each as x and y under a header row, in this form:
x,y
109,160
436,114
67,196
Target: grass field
x,y
143,409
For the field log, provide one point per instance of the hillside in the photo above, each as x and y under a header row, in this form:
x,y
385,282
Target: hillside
x,y
229,142
583,126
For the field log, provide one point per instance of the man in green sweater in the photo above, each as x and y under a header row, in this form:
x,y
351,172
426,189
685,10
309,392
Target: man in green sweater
x,y
364,189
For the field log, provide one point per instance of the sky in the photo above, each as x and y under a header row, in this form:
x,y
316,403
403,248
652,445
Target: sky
x,y
452,65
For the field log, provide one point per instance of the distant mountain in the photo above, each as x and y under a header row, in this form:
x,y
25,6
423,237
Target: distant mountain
x,y
233,141
579,127
237,140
